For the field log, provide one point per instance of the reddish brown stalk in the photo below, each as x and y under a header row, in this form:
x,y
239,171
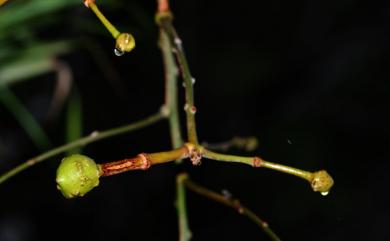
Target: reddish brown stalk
x,y
143,161
163,6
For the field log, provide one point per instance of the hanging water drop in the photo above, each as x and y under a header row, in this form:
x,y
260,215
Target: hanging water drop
x,y
193,80
184,84
324,193
118,52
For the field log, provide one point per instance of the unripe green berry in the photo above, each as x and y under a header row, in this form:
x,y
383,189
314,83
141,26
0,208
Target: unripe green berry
x,y
77,175
322,182
125,42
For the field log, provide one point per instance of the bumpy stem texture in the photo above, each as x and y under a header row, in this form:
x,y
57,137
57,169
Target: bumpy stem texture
x,y
164,19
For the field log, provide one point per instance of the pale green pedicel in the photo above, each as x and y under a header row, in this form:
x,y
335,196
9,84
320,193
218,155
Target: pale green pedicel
x,y
77,175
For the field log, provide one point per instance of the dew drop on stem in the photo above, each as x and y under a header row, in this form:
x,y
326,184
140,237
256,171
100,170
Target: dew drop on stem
x,y
118,52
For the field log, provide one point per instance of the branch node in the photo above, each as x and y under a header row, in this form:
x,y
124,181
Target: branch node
x,y
94,134
238,206
257,161
163,16
146,162
88,2
165,111
194,153
31,162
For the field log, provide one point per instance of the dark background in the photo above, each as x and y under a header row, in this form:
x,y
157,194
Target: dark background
x,y
309,79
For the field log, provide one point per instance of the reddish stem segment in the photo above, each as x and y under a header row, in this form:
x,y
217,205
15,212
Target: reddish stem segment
x,y
143,161
163,5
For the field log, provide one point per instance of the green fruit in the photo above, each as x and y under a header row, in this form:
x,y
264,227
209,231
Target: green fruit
x,y
125,42
77,175
322,182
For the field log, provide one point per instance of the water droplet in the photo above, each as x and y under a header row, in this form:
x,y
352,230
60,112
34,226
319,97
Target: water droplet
x,y
193,80
118,52
324,193
184,84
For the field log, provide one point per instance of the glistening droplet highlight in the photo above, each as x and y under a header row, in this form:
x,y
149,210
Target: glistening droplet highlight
x,y
118,52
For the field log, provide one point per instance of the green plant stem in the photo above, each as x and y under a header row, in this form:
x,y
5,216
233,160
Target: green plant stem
x,y
320,181
93,137
171,102
233,203
111,28
190,109
25,118
261,163
184,230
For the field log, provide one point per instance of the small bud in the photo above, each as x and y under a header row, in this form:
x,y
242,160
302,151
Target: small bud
x,y
77,175
321,182
125,43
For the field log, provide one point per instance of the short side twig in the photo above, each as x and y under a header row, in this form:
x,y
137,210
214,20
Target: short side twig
x,y
230,202
320,181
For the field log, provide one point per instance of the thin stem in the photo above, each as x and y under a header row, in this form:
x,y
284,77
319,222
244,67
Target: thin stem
x,y
230,202
93,137
111,28
165,22
25,118
320,181
184,230
171,102
252,161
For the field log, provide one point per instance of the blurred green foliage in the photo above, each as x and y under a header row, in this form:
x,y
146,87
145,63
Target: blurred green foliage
x,y
23,54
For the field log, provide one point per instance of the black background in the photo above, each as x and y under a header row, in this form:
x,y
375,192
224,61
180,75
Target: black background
x,y
309,79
